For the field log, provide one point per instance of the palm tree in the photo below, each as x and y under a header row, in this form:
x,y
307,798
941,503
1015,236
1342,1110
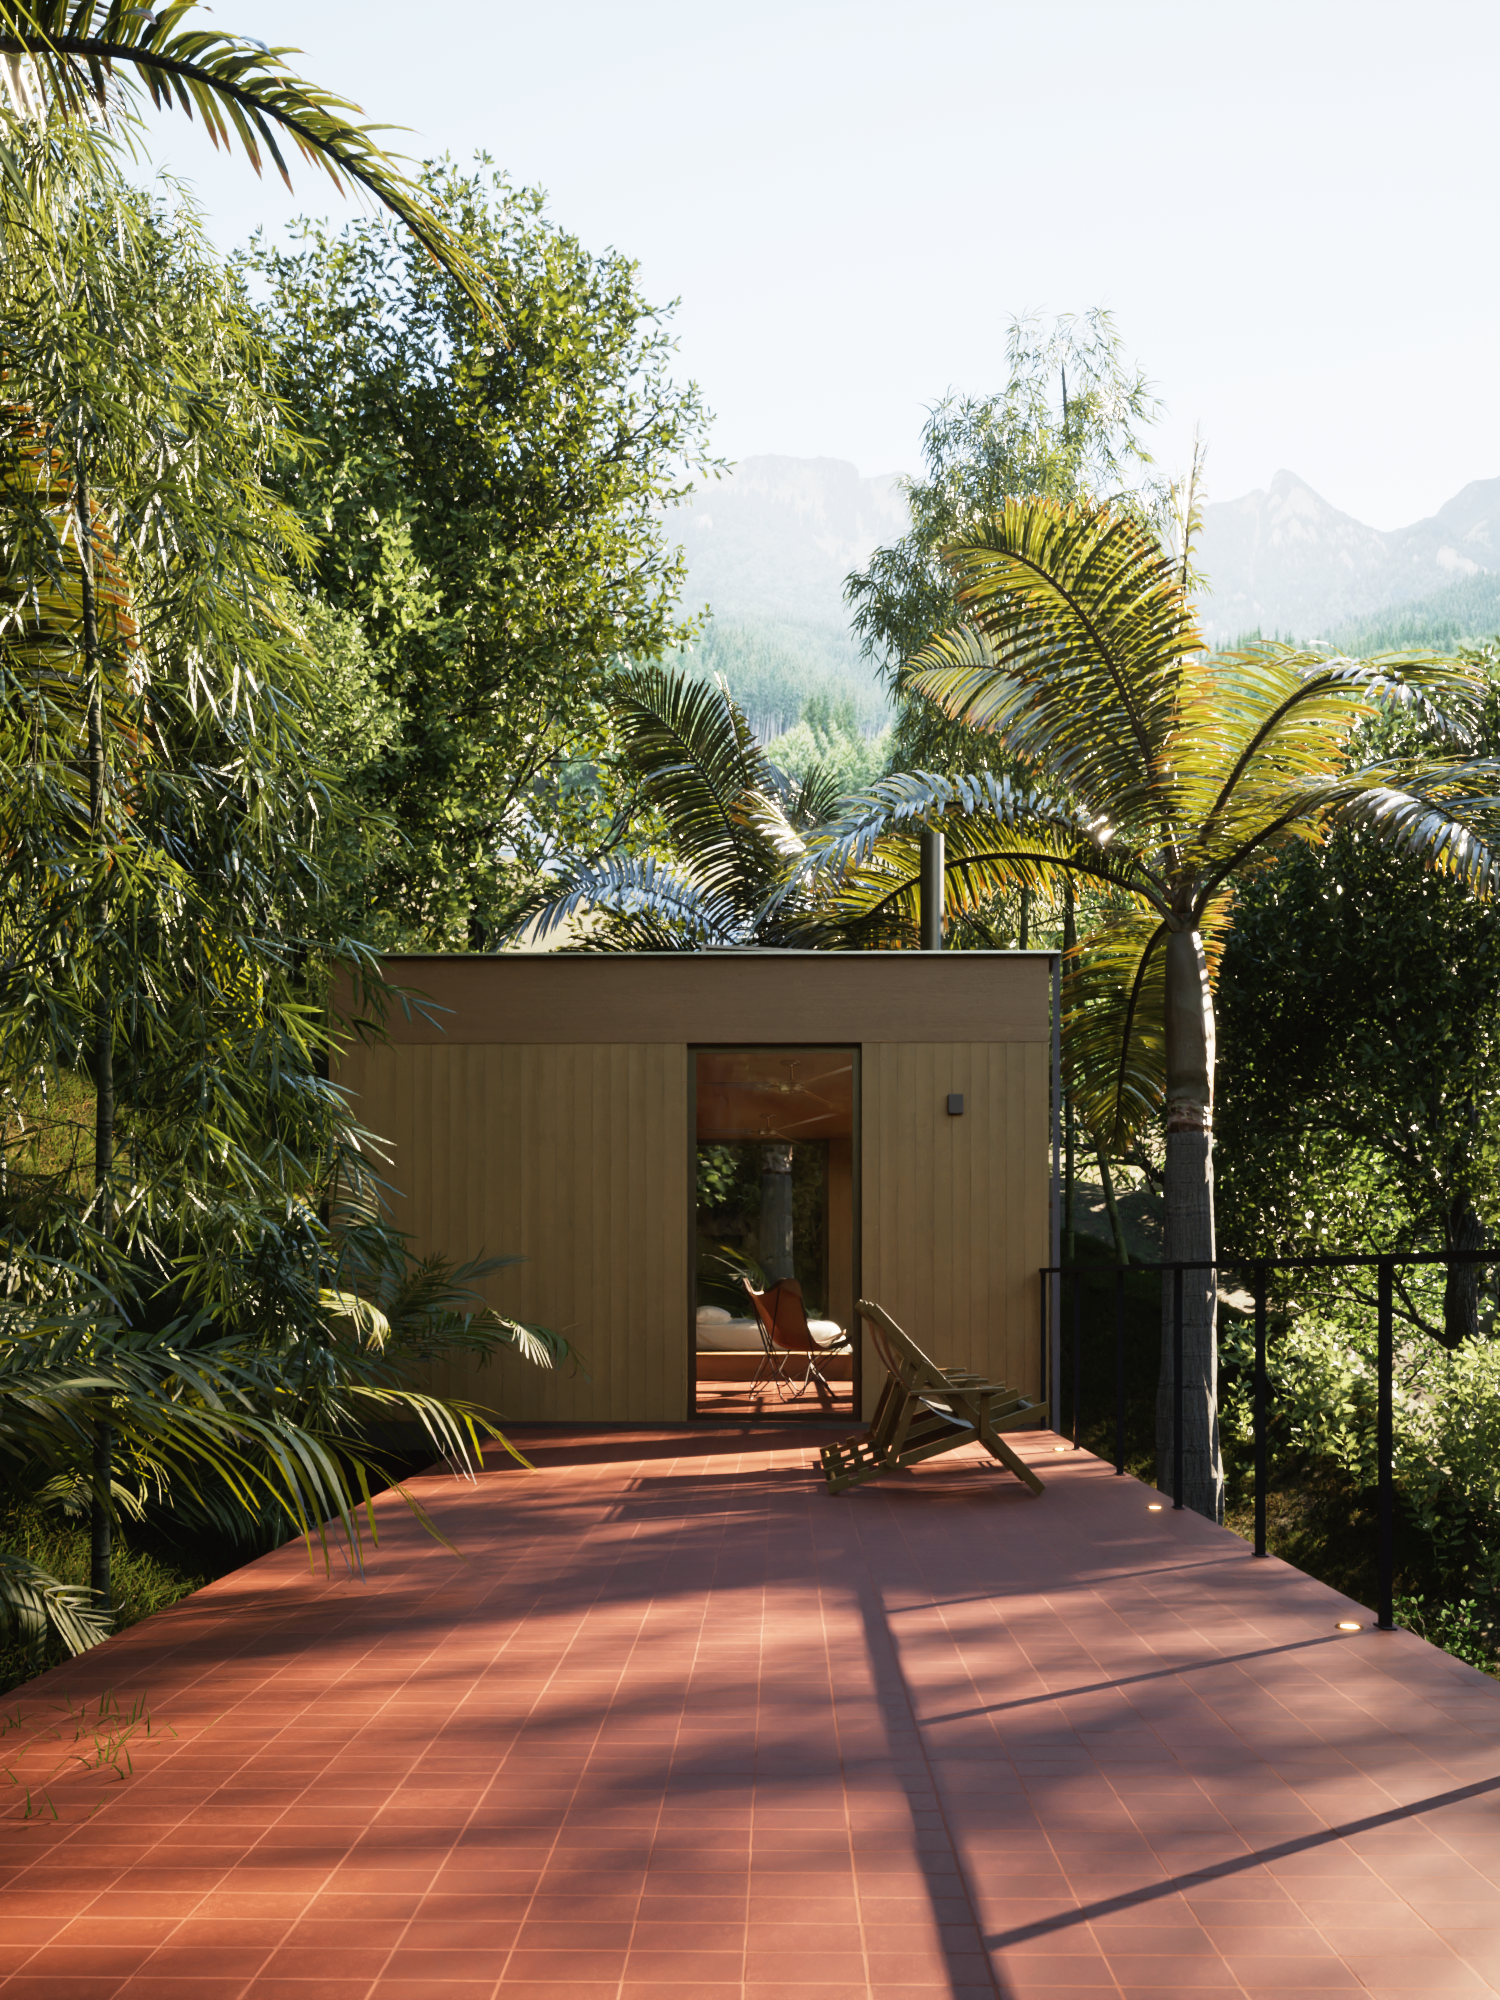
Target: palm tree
x,y
730,825
1152,773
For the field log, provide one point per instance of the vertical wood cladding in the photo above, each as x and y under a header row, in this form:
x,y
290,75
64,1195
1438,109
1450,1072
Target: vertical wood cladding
x,y
576,1154
954,1209
575,1157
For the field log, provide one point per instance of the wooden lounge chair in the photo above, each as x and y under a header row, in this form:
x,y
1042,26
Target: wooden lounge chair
x,y
785,1334
924,1410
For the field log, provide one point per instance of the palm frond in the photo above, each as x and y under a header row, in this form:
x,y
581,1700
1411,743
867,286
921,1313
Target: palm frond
x,y
813,799
1114,1019
243,91
32,1602
863,870
647,904
1072,650
698,761
1256,721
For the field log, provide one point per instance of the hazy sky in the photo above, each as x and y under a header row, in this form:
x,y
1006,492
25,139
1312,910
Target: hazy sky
x,y
1290,208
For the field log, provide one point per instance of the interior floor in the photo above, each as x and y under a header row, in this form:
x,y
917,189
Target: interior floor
x,y
759,1399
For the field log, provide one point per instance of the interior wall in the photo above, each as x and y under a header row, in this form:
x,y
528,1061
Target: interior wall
x,y
575,1157
954,1209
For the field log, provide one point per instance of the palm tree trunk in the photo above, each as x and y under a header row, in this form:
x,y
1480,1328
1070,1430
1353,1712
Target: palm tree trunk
x,y
101,1522
1189,1189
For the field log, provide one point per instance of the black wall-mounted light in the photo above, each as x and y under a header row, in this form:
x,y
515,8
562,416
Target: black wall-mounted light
x,y
955,1104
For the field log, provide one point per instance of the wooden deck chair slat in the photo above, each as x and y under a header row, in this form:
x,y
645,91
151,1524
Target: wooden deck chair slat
x,y
924,1410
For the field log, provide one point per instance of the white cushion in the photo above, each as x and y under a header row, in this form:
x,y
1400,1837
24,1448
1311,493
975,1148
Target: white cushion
x,y
733,1336
713,1316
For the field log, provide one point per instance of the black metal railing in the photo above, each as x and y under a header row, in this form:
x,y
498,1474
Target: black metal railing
x,y
1383,1264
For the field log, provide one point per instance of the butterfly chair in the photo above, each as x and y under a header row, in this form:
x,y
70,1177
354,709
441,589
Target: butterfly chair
x,y
786,1336
924,1410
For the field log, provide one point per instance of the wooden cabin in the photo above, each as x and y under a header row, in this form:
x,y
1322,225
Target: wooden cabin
x,y
621,1123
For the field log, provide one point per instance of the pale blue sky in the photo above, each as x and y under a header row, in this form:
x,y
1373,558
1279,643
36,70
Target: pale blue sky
x,y
1289,207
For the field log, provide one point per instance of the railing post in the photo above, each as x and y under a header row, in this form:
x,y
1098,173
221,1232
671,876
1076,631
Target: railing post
x,y
1385,1438
1176,1388
1260,1409
1077,1351
1120,1370
1044,1281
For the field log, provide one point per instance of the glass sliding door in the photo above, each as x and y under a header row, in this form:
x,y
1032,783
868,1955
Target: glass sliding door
x,y
774,1216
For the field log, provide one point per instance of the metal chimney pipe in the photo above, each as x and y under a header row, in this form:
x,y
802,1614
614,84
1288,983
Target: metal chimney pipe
x,y
930,891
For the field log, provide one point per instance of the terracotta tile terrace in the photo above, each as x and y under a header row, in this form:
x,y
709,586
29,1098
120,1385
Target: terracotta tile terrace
x,y
682,1725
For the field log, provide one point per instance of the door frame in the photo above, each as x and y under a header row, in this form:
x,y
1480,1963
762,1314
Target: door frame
x,y
855,1050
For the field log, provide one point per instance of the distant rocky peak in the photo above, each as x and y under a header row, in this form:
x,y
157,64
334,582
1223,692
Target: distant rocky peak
x,y
1285,560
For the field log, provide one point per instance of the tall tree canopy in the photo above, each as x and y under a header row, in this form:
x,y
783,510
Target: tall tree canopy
x,y
491,532
1068,423
177,1312
1360,1006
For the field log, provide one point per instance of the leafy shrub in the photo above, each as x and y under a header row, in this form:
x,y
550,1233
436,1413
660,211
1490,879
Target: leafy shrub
x,y
1447,1442
1466,1629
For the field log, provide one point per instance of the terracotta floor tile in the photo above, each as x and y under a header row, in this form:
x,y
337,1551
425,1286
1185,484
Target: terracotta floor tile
x,y
187,1986
273,1988
673,1741
560,1963
432,1989
60,1986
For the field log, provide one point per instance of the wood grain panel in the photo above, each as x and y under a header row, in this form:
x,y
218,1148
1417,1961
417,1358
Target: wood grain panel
x,y
954,1210
727,998
574,1157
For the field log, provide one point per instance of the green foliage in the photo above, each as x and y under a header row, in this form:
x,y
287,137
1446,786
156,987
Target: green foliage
x,y
490,521
1447,1429
1464,1628
1065,425
1147,769
727,824
160,804
166,945
144,1578
721,1172
1359,1105
827,738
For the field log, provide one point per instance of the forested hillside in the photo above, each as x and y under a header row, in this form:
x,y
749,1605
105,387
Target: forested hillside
x,y
1461,615
775,666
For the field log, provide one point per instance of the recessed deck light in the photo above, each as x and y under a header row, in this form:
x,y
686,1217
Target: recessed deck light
x,y
1059,1447
1153,1506
1349,1625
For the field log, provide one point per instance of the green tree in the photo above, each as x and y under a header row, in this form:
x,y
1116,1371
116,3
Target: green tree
x,y
1156,773
1359,1001
827,734
490,518
1067,424
177,1308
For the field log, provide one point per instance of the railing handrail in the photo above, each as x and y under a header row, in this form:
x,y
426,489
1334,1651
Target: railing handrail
x,y
1365,1259
1383,1262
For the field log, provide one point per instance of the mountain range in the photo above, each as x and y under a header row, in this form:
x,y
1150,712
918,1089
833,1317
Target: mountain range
x,y
776,538
1283,560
